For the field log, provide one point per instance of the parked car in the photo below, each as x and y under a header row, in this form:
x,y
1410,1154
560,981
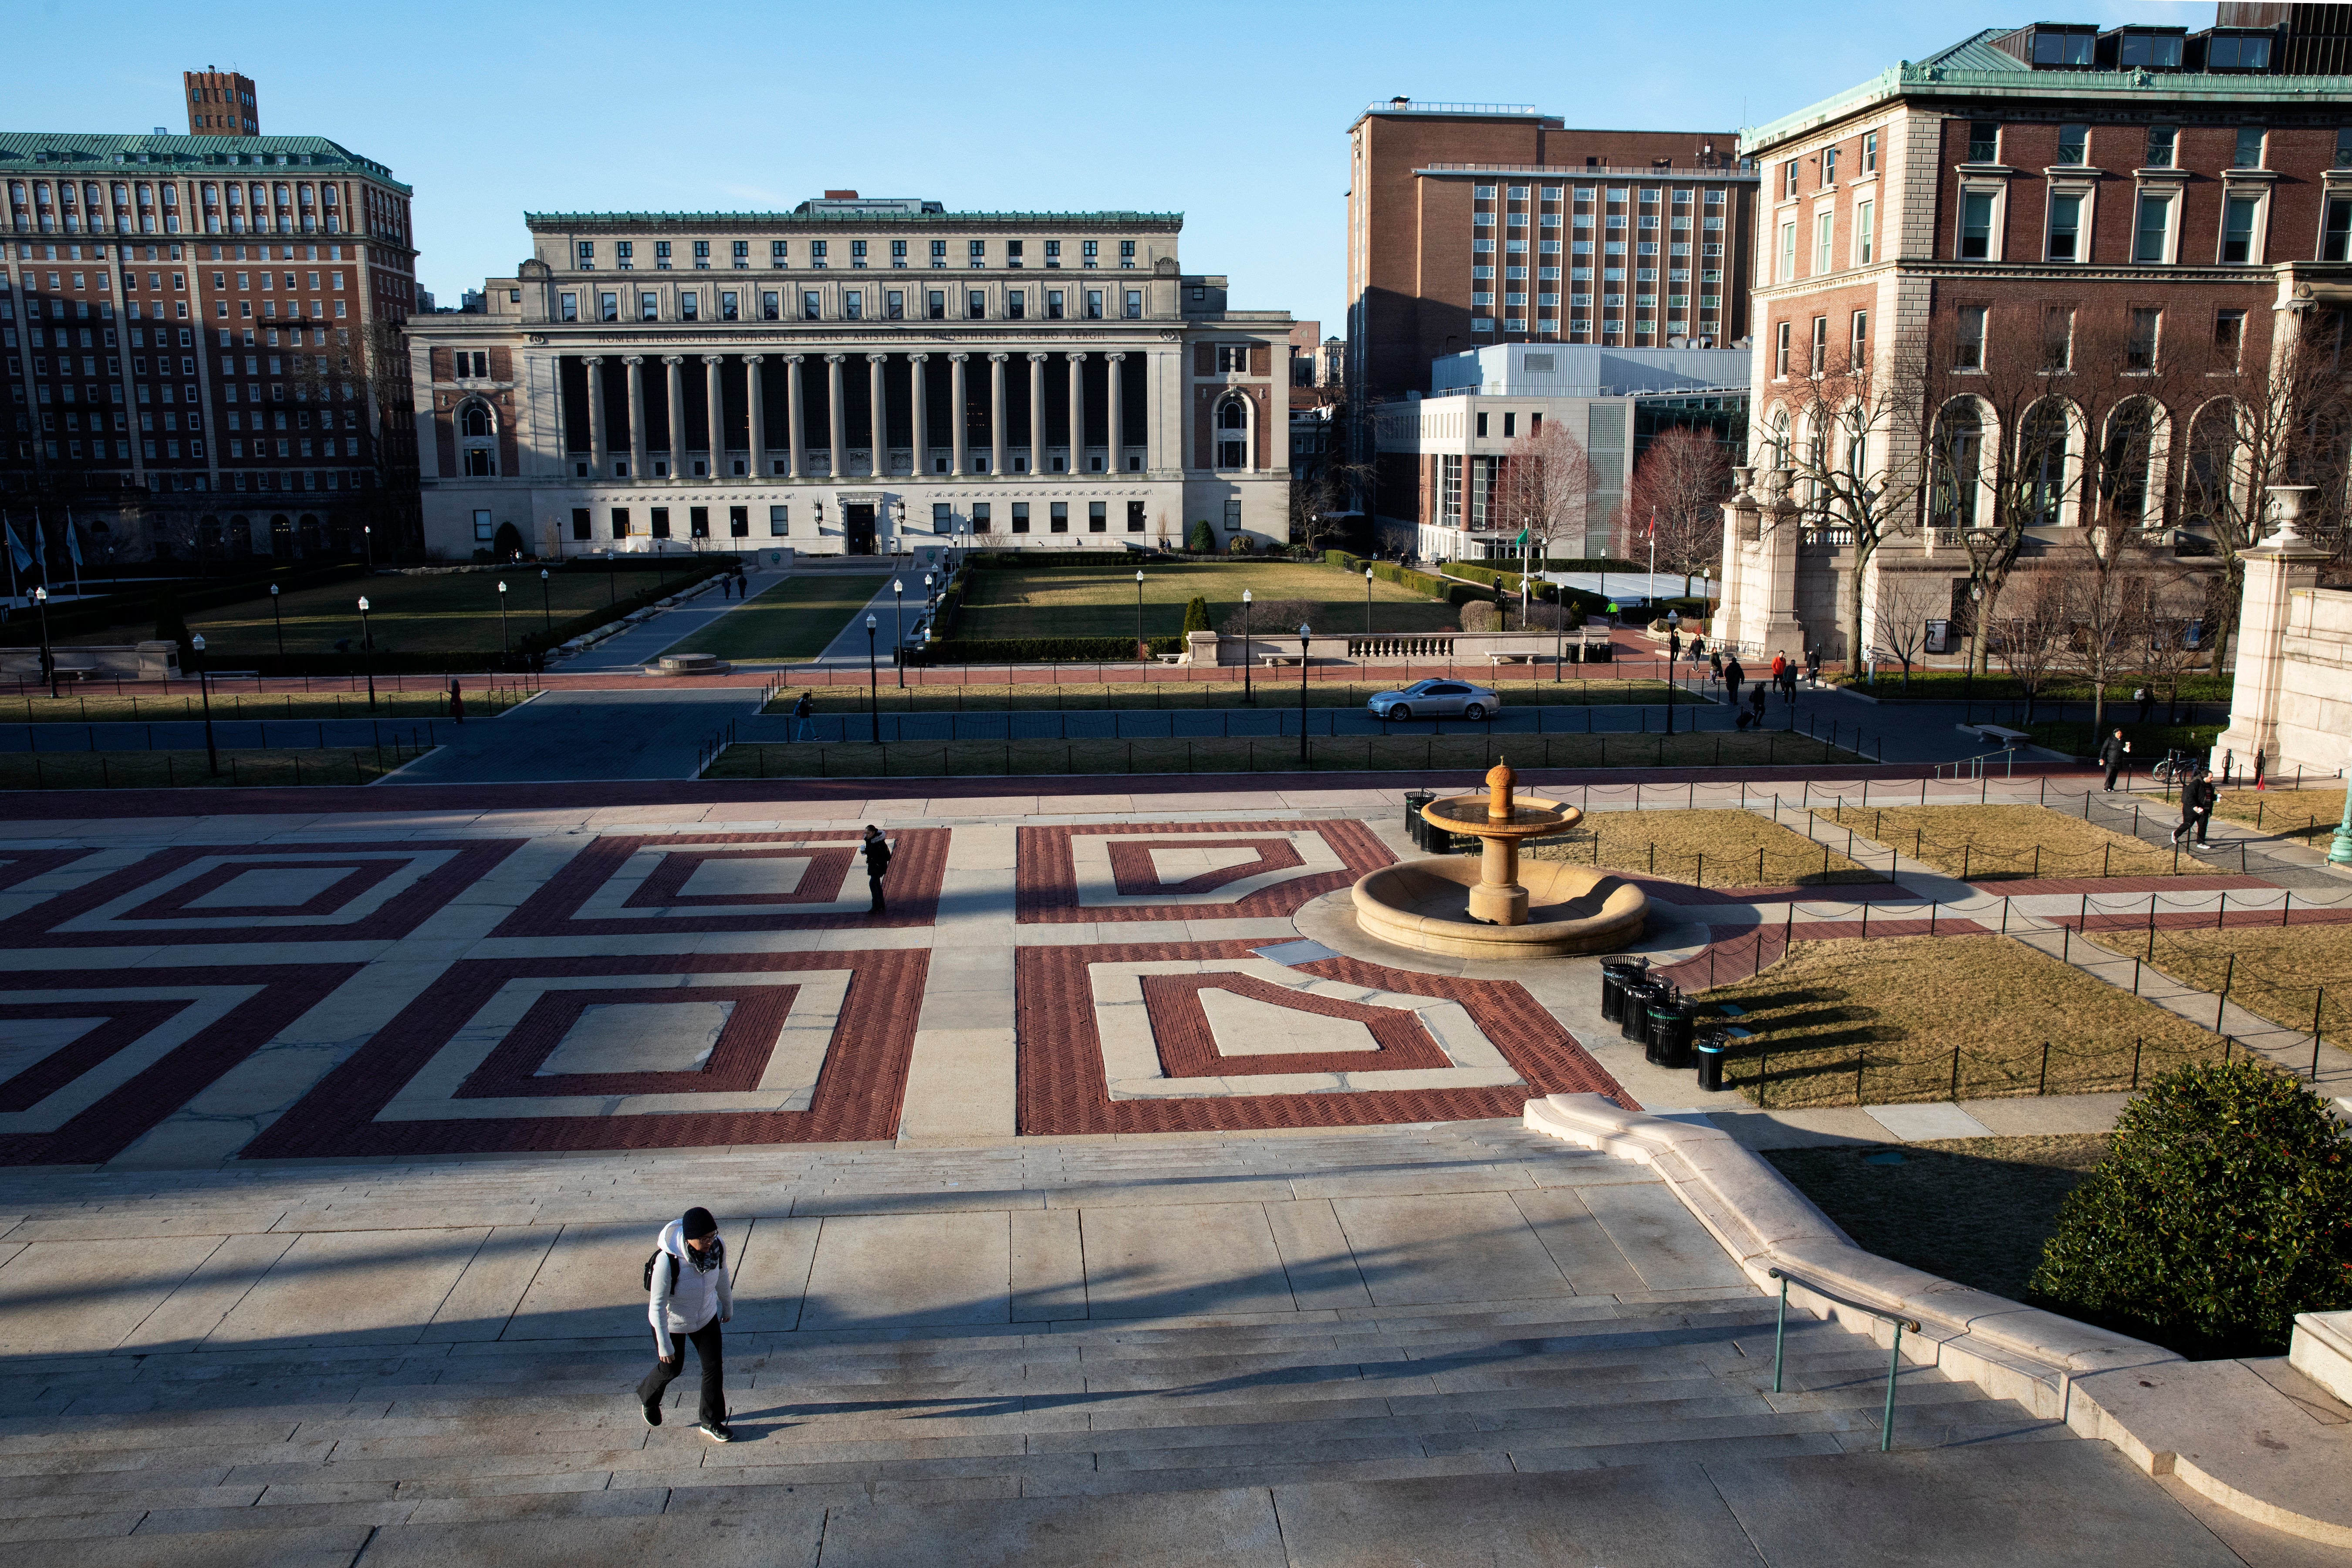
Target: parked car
x,y
1437,700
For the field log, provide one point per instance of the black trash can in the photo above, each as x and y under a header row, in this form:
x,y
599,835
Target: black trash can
x,y
1415,827
1669,1033
1615,975
1635,1024
1710,1052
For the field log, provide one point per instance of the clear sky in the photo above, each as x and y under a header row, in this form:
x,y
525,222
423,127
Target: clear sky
x,y
1234,115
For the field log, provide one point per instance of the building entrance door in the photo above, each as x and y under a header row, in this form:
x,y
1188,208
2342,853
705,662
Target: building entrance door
x,y
859,523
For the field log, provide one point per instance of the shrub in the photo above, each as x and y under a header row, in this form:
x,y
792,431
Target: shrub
x,y
1196,614
1302,552
1202,540
2223,1209
1240,545
1339,558
1478,615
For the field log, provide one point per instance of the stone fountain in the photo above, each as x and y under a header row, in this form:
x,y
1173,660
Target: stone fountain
x,y
1493,907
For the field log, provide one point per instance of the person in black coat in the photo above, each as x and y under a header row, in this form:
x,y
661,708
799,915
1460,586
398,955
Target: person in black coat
x,y
2112,753
1733,674
877,850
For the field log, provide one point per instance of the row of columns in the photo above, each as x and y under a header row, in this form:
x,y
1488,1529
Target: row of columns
x,y
797,457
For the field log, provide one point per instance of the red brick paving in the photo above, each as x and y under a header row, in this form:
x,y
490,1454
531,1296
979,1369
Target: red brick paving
x,y
1188,1046
1046,885
820,884
918,862
2026,888
23,865
1062,1088
857,1098
1132,871
172,904
737,1059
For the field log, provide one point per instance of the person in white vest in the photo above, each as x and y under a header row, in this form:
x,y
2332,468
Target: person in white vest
x,y
689,1295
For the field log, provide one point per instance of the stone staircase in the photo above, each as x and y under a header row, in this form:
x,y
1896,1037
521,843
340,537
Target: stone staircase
x,y
296,1449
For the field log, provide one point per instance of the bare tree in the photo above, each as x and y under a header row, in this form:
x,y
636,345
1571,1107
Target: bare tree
x,y
2167,656
1902,606
1678,489
2107,589
1546,486
1271,618
2032,640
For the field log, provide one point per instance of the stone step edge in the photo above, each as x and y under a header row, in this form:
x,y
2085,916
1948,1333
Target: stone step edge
x,y
2149,1403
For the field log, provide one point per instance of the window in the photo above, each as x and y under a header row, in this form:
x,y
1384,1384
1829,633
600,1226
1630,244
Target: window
x,y
689,305
738,522
1510,426
936,304
1984,141
1053,304
1127,253
620,522
770,305
816,252
852,304
980,517
1021,517
729,307
1781,352
1087,251
2239,51
2249,154
1976,225
2065,228
1968,339
779,252
2075,145
2159,146
1481,425
2344,148
2057,338
2237,229
2335,238
1094,302
1788,253
939,253
611,304
661,256
742,253
702,254
1097,517
2149,51
1857,348
1058,517
2139,341
857,253
583,253
1789,179
1135,517
1821,345
648,306
897,253
894,305
1865,236
975,304
1233,359
812,305
568,307
1822,222
2229,332
582,525
1869,153
2056,49
2152,234
1135,304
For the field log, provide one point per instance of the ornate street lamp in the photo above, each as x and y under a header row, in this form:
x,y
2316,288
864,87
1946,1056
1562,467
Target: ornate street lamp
x,y
546,609
49,659
1248,696
506,643
1305,632
367,651
1368,601
277,620
1142,649
212,753
873,685
898,627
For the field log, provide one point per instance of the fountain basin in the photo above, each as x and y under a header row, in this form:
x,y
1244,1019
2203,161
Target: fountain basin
x,y
1425,905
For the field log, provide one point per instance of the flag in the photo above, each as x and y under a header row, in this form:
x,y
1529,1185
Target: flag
x,y
16,550
73,543
1522,541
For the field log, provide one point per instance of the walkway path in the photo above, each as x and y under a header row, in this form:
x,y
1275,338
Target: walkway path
x,y
656,733
642,643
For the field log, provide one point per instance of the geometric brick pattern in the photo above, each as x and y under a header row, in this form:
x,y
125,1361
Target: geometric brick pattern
x,y
630,885
1049,888
1188,1044
23,865
1062,1088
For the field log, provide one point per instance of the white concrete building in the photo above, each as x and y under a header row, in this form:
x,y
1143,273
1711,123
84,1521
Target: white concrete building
x,y
853,376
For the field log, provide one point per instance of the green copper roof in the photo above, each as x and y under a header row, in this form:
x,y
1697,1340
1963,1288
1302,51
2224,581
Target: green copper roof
x,y
1974,69
859,219
31,148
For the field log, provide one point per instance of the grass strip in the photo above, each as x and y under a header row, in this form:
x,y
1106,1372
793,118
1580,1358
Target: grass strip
x,y
796,620
2011,843
1705,848
424,700
2293,975
239,769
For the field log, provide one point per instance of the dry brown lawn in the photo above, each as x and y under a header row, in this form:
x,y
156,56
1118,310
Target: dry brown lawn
x,y
1856,1022
2280,972
1707,848
2309,814
2008,843
1972,1210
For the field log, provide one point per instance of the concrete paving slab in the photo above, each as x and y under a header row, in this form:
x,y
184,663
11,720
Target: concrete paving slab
x,y
352,1288
1659,1237
1225,1529
590,1283
895,1271
784,1537
1578,1246
190,1315
1926,1122
769,1274
1316,1255
1177,1259
1049,1274
1461,1246
2043,1115
481,1304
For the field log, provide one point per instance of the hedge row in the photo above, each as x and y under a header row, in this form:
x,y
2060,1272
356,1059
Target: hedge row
x,y
141,608
1044,650
1011,559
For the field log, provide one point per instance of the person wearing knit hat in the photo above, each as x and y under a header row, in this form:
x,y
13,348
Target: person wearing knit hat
x,y
689,1295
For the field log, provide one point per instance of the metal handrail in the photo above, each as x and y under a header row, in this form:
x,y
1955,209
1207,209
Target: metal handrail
x,y
1893,1360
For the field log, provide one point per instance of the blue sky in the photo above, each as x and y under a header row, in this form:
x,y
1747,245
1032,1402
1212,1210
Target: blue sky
x,y
1234,115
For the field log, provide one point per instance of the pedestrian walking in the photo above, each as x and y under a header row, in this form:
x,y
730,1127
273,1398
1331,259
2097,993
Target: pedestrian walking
x,y
877,850
1698,648
2112,754
1813,664
1674,647
688,1295
1755,702
457,703
2201,797
2188,824
1780,667
1715,663
1733,676
803,719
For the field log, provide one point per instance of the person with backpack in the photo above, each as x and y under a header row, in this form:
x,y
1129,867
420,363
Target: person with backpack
x,y
877,850
803,719
1734,673
2197,802
689,1294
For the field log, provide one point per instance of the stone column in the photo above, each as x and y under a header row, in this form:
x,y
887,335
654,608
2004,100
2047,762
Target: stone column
x,y
596,416
2276,569
959,436
834,414
1037,413
676,366
921,421
880,414
1116,434
996,413
795,418
637,363
1077,412
757,402
717,393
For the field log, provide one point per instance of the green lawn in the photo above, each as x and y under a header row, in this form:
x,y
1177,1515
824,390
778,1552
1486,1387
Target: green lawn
x,y
1099,600
451,614
1997,686
792,621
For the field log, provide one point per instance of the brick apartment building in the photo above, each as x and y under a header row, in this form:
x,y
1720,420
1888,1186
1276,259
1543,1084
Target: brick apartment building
x,y
854,376
221,103
2049,185
188,324
1473,225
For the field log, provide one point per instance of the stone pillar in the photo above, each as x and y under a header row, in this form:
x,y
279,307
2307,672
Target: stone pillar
x,y
1768,621
834,415
795,418
996,413
716,393
637,363
1077,412
676,366
921,421
755,398
1740,527
1116,434
959,436
1037,413
879,413
2276,569
596,454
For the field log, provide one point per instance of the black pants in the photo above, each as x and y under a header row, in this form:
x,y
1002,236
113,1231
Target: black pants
x,y
873,886
707,1351
2113,769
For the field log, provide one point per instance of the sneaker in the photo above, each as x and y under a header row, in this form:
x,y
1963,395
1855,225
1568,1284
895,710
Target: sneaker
x,y
717,1432
653,1415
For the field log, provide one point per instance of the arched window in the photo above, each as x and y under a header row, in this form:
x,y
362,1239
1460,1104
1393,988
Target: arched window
x,y
1233,414
2210,472
2041,462
1779,441
1959,459
475,420
282,537
240,534
479,432
1233,433
2125,462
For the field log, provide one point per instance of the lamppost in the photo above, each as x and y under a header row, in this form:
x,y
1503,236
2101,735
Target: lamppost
x,y
1142,649
277,620
506,643
1968,681
212,753
898,627
546,610
2339,849
1305,632
1248,696
612,575
367,651
49,659
1368,601
873,685
367,542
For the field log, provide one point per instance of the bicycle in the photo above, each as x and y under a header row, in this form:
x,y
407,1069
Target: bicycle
x,y
2176,766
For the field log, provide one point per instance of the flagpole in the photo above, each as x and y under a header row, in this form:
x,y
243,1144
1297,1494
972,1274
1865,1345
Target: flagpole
x,y
73,550
11,530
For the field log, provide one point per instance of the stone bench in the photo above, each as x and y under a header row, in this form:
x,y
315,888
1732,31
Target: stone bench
x,y
1511,658
1273,660
2001,732
676,664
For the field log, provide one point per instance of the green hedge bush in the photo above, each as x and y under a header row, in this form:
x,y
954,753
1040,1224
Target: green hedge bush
x,y
1196,614
1047,650
2223,1209
1202,539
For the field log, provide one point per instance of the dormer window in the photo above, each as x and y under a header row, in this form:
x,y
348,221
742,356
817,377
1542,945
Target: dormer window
x,y
2149,51
2058,50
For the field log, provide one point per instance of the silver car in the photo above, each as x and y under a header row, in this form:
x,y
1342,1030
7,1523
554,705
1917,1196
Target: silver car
x,y
1437,700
